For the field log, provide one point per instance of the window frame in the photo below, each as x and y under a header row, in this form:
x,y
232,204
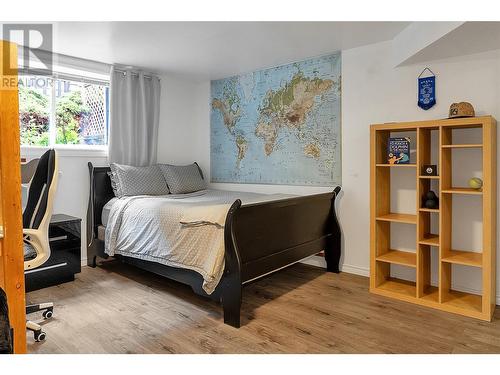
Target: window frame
x,y
71,149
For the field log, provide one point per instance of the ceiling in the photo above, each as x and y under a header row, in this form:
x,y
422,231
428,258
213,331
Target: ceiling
x,y
211,50
467,39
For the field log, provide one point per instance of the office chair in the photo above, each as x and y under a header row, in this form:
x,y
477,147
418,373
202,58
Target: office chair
x,y
36,220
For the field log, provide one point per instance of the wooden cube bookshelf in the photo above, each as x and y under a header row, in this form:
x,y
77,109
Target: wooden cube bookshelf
x,y
440,296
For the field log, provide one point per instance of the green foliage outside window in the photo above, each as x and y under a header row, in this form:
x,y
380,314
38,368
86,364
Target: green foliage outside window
x,y
34,116
70,115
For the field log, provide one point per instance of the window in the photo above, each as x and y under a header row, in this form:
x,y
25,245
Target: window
x,y
59,111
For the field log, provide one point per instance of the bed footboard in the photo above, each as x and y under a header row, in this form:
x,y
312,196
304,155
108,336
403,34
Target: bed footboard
x,y
265,237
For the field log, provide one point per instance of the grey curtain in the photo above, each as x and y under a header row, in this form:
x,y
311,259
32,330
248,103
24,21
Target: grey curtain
x,y
134,117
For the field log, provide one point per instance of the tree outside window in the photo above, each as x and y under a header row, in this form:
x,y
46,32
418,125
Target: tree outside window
x,y
34,115
79,116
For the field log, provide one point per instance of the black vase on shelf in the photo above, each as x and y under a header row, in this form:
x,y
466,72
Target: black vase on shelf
x,y
431,200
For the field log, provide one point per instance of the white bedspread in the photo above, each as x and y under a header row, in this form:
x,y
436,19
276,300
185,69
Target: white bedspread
x,y
150,228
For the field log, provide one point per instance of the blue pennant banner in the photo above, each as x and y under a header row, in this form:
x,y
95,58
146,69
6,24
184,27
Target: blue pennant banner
x,y
426,92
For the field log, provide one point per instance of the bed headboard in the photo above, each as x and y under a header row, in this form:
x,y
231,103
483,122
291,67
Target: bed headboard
x,y
100,194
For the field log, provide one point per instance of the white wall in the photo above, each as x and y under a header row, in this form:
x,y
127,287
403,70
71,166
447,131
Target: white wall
x,y
373,91
178,140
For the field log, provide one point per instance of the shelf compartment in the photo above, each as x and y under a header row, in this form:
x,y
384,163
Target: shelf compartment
x,y
466,258
429,177
403,258
457,190
464,301
472,145
423,209
399,286
430,239
398,218
431,294
413,165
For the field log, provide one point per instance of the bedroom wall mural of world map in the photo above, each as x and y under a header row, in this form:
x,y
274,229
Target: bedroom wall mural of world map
x,y
279,125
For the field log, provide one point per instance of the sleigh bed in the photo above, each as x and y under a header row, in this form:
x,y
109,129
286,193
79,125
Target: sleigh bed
x,y
259,239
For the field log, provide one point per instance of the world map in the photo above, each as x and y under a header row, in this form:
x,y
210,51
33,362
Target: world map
x,y
279,125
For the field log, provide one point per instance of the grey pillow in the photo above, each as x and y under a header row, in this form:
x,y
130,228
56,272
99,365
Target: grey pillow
x,y
182,179
127,180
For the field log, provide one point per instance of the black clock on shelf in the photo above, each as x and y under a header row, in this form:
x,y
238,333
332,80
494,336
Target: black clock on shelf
x,y
430,170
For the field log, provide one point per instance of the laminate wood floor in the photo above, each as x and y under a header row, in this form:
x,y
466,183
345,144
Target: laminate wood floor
x,y
117,308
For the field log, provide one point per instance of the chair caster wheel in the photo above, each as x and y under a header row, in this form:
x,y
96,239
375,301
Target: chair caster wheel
x,y
47,314
39,336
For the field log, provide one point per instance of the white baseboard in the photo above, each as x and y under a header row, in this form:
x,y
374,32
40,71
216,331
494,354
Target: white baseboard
x,y
361,271
320,262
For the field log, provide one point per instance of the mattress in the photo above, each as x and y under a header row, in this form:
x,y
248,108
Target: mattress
x,y
106,210
246,199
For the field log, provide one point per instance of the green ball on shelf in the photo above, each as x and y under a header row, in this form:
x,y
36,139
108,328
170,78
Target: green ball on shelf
x,y
475,183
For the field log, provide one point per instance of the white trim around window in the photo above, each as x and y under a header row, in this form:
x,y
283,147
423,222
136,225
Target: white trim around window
x,y
31,152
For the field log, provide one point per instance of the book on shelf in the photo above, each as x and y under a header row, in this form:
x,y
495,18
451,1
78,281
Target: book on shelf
x,y
398,150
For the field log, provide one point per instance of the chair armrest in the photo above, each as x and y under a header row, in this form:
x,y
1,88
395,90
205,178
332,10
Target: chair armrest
x,y
40,242
31,232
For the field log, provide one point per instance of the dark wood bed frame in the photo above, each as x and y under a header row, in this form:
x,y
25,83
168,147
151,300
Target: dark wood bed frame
x,y
259,238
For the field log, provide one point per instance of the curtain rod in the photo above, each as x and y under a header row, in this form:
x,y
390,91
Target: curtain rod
x,y
78,77
134,73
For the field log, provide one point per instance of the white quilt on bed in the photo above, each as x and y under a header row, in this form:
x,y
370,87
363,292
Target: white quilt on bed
x,y
184,231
